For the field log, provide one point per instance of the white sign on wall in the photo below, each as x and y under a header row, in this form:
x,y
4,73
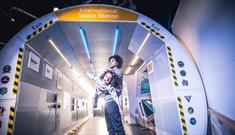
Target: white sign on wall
x,y
59,81
49,72
67,100
34,62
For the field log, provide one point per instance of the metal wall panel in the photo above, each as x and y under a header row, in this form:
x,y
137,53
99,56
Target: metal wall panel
x,y
35,115
37,78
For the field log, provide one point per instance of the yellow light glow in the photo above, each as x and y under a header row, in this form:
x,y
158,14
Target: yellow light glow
x,y
134,60
128,70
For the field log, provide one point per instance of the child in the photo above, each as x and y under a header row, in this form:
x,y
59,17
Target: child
x,y
105,79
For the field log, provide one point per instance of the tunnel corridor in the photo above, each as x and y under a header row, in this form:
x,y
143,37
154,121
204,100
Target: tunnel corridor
x,y
49,74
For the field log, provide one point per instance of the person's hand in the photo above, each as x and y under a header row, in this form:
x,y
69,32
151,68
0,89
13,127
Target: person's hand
x,y
100,87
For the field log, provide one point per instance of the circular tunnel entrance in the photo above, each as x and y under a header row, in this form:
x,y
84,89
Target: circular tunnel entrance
x,y
55,54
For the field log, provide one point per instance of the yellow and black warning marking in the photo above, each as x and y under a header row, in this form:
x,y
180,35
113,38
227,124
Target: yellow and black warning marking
x,y
183,123
153,30
11,121
172,66
17,73
30,36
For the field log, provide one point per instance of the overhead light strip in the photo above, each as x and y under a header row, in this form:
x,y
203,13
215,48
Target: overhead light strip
x,y
115,40
139,50
84,84
128,70
85,41
142,45
140,67
84,38
60,53
134,60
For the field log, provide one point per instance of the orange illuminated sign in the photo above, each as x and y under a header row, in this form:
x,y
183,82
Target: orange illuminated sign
x,y
96,13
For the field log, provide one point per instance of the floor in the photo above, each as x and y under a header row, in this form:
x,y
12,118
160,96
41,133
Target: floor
x,y
97,126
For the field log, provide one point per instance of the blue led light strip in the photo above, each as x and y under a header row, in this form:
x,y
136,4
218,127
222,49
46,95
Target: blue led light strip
x,y
85,41
84,38
115,41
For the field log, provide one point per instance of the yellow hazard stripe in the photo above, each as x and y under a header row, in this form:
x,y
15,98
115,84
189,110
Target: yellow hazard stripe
x,y
16,80
17,72
15,87
12,113
43,28
180,103
20,53
182,118
168,49
173,74
152,30
17,65
172,66
171,57
9,131
40,29
181,110
11,121
20,59
184,124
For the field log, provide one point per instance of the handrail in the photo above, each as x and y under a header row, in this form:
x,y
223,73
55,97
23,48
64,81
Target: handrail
x,y
223,119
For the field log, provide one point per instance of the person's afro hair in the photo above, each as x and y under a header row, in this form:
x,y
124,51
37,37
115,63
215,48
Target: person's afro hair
x,y
118,59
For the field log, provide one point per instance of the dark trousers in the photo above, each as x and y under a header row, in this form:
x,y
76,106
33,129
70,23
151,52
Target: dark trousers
x,y
113,119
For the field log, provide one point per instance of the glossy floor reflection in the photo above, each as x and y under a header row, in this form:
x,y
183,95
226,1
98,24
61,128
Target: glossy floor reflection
x,y
97,126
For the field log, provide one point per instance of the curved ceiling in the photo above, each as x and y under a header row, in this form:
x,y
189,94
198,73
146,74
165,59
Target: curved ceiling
x,y
100,38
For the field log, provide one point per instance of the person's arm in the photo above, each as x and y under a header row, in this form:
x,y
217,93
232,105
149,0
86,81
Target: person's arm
x,y
99,82
117,86
98,91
